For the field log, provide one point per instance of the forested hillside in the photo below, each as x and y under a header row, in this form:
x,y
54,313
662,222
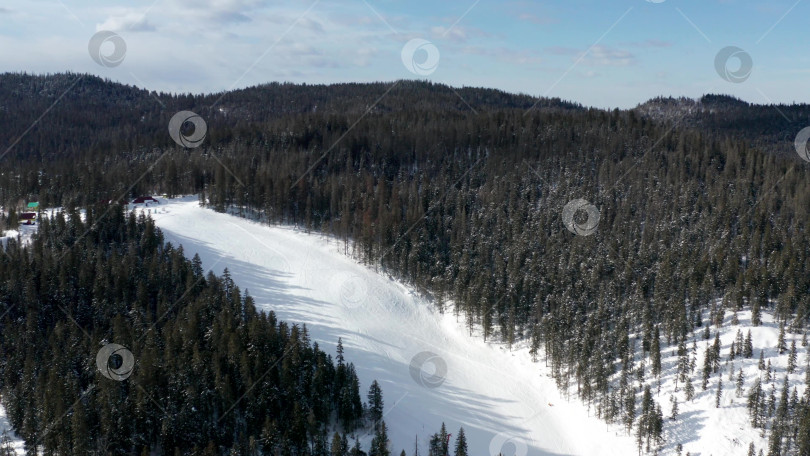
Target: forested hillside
x,y
213,376
463,197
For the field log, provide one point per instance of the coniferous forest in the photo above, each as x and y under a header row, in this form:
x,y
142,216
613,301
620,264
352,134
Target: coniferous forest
x,y
214,376
461,197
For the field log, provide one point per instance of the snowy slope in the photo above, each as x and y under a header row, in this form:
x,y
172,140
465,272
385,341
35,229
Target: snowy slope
x,y
5,427
701,427
503,400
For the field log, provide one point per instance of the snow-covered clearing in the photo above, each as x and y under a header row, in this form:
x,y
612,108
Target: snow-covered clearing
x,y
501,398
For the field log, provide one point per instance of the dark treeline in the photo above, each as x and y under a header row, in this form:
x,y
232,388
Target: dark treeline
x,y
212,375
467,205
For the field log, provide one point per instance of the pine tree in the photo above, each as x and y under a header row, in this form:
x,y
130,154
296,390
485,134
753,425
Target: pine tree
x,y
674,401
780,344
752,450
655,353
792,358
461,443
707,369
748,345
740,383
755,403
761,364
768,372
756,313
689,389
379,444
375,403
719,395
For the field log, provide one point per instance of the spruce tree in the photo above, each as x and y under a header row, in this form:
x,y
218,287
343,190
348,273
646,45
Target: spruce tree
x,y
461,443
719,395
792,358
781,344
748,345
375,403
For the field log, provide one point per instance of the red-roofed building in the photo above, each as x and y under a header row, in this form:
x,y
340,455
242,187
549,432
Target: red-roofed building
x,y
28,218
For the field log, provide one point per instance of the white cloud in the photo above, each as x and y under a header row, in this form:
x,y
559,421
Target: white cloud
x,y
600,55
128,22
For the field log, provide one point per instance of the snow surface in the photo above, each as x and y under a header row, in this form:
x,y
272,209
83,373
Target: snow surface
x,y
704,429
502,399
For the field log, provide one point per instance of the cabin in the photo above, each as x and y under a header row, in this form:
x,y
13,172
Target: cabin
x,y
144,199
33,206
28,218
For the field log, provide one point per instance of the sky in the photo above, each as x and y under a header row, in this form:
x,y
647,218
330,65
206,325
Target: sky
x,y
607,54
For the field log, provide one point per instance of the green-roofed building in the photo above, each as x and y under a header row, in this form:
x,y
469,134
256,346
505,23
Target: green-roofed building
x,y
34,205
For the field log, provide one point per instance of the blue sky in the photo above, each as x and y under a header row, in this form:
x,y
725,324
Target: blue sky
x,y
608,54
